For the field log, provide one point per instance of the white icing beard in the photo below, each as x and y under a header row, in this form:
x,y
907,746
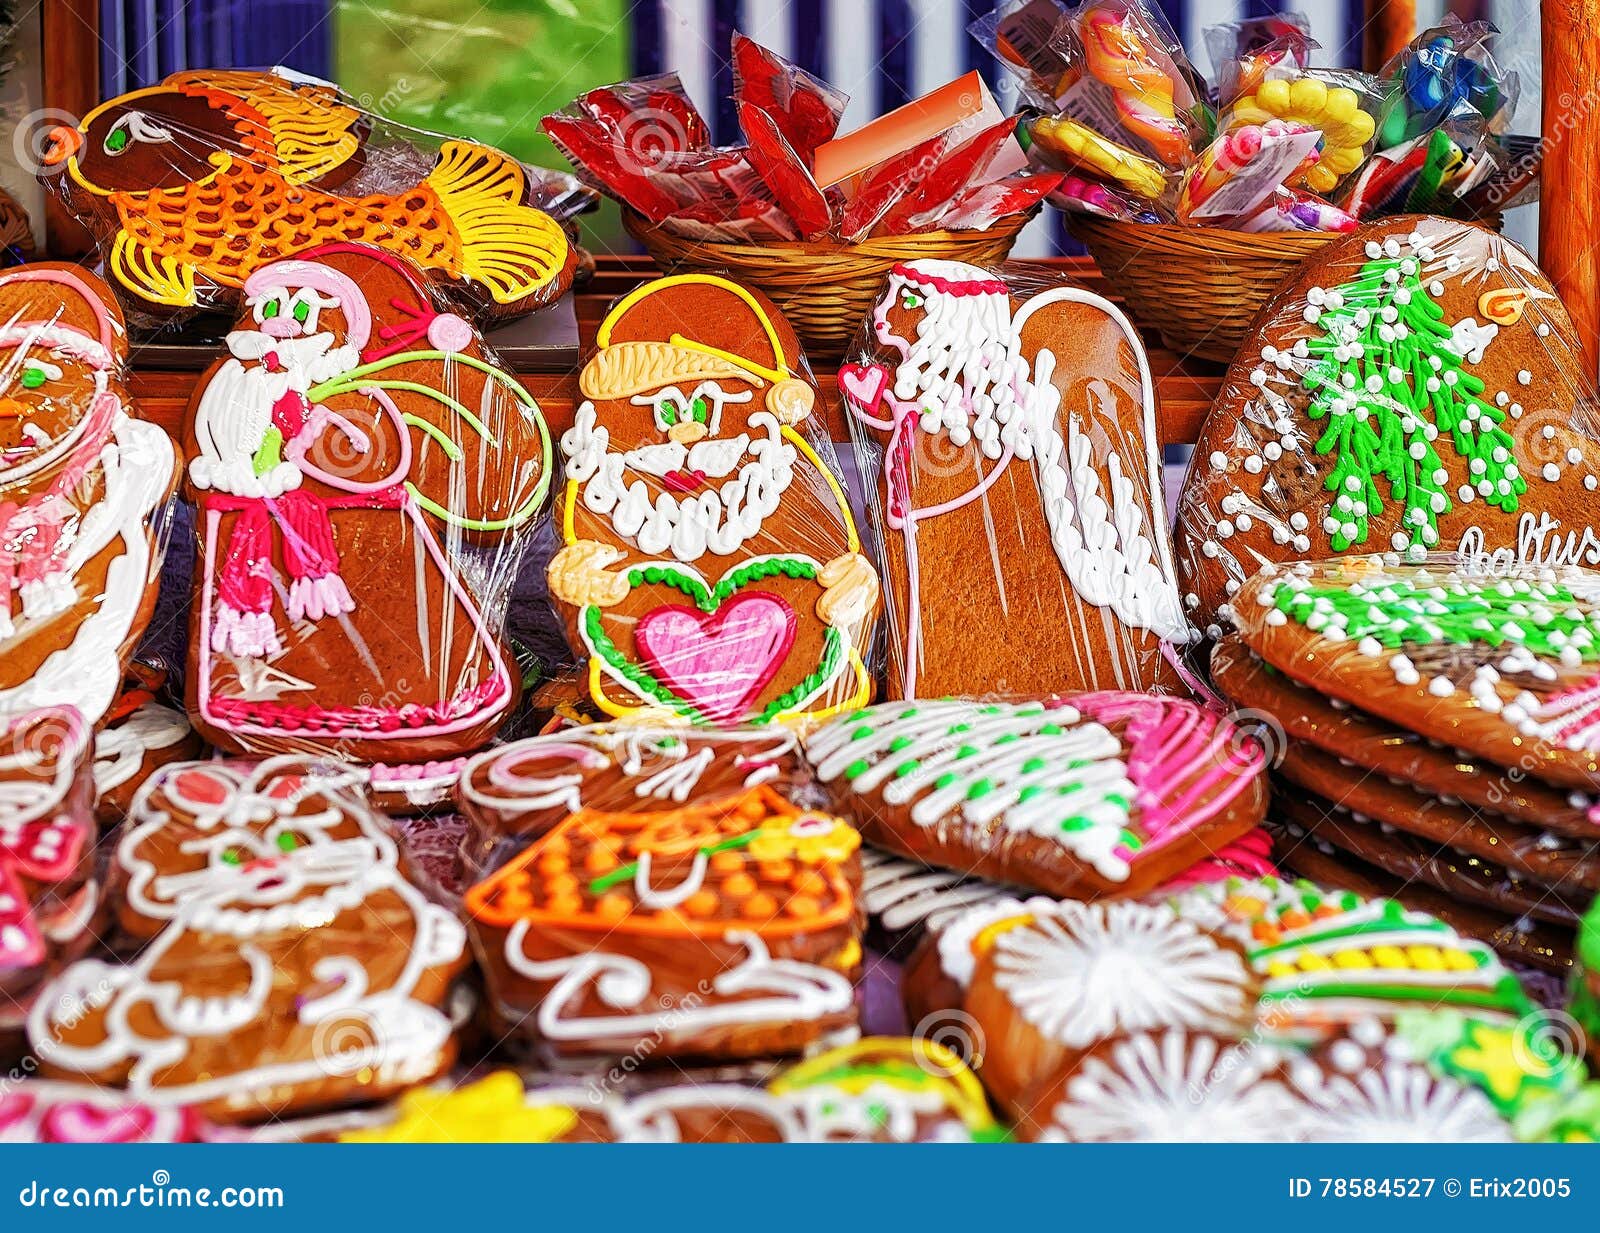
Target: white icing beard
x,y
236,409
719,519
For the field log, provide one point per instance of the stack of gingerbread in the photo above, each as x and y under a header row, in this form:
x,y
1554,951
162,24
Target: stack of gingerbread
x,y
1439,735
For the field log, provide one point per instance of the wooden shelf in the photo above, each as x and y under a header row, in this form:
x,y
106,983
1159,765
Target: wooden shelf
x,y
1184,388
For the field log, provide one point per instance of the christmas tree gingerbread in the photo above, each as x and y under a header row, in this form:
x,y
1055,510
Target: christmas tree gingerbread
x,y
710,568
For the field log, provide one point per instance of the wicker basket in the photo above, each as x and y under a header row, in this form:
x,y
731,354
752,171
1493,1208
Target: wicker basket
x,y
825,288
1199,288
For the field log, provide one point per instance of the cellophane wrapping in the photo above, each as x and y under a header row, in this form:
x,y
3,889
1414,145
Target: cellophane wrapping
x,y
367,477
709,565
193,184
1008,440
1417,387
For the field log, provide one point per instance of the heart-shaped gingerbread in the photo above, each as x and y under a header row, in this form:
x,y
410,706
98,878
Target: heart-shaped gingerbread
x,y
718,661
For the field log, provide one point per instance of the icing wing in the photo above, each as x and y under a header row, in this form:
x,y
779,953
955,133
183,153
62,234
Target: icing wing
x,y
1098,462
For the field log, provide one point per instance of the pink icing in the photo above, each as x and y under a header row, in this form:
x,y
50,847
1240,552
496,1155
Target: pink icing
x,y
1188,764
718,661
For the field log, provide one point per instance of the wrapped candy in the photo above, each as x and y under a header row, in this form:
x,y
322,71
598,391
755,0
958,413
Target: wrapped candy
x,y
1129,51
1447,73
1243,167
1078,147
1336,104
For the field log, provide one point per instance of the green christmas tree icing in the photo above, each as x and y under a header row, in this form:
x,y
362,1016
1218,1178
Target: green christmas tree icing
x,y
1544,617
1388,383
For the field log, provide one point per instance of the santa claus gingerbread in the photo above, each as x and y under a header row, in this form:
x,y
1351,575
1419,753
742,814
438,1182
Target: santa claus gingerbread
x,y
711,568
362,470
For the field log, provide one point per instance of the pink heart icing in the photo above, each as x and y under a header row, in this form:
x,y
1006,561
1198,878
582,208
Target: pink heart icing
x,y
718,661
80,1122
863,384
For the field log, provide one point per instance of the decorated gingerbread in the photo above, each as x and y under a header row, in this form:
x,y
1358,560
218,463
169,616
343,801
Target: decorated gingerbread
x,y
1052,983
710,567
48,892
1019,495
40,1111
728,928
289,961
83,491
195,184
521,790
1097,794
1501,663
141,734
1417,388
364,472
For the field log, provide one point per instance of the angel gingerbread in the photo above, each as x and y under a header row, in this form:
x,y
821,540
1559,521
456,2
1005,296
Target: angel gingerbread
x,y
362,470
711,568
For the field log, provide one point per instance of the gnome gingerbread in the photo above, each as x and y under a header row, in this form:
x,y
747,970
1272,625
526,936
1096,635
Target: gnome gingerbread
x,y
363,471
711,569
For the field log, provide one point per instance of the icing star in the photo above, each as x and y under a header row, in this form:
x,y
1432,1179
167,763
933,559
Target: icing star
x,y
492,1110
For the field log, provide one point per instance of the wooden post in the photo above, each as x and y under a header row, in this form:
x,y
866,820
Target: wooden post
x,y
1569,210
70,35
1388,26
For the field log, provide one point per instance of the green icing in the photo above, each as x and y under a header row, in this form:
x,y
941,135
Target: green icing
x,y
1388,385
1544,617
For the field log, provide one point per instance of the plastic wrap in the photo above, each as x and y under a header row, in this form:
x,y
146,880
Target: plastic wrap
x,y
1416,387
192,185
1447,74
662,890
49,895
1339,104
1032,41
1135,84
367,477
643,143
710,567
1089,795
84,489
287,960
1014,457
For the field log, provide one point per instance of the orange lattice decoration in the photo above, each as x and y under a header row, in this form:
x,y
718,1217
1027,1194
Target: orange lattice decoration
x,y
211,175
752,861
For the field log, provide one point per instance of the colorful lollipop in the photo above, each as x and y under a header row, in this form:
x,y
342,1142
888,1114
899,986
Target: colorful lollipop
x,y
1122,56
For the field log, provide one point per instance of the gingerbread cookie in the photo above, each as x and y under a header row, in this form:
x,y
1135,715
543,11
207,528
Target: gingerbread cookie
x,y
40,1111
520,791
728,928
128,750
1331,958
358,457
1334,727
1460,874
195,184
1503,665
1517,1066
999,425
1053,983
1529,942
1567,864
83,492
1414,388
48,892
1368,1086
1171,1086
888,1089
906,900
1091,795
710,566
290,962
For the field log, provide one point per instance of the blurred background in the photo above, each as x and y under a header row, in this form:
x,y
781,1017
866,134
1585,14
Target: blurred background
x,y
489,69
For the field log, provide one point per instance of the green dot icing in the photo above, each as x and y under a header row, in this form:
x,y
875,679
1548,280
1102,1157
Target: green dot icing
x,y
1389,388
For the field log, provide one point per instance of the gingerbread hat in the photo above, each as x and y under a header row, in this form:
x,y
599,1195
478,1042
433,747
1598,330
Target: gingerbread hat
x,y
697,327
